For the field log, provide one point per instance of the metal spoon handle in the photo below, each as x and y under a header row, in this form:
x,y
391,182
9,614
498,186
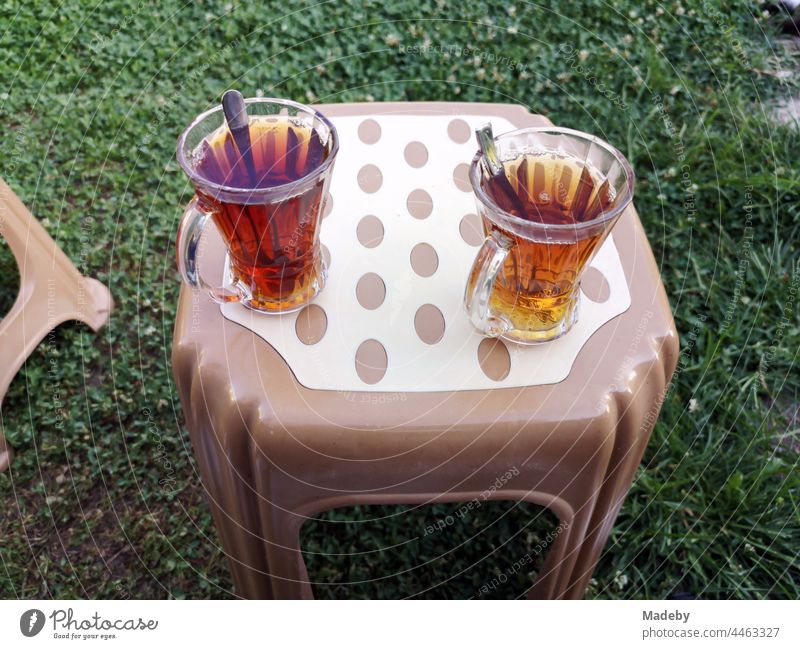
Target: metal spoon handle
x,y
488,150
235,111
492,164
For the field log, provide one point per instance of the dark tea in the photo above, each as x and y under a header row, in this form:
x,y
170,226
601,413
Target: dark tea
x,y
273,244
535,288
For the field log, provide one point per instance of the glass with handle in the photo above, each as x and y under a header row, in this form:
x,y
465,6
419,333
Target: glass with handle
x,y
545,211
266,194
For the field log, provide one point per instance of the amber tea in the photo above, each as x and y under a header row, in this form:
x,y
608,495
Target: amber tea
x,y
261,169
545,212
271,244
536,283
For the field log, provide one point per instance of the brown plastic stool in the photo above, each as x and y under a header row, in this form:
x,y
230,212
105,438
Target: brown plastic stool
x,y
273,452
51,291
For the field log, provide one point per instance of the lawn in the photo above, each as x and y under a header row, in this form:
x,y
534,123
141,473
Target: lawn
x,y
92,98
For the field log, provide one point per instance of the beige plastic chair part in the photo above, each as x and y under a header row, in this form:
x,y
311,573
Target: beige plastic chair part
x,y
51,291
273,453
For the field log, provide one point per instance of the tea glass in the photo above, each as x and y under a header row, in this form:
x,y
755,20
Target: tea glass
x,y
271,232
525,282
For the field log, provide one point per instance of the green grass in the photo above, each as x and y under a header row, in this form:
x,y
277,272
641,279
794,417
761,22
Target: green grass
x,y
92,98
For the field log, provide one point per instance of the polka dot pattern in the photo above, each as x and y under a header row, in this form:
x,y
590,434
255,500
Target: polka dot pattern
x,y
370,291
494,359
371,361
400,266
471,230
311,324
595,286
416,154
370,231
424,259
419,204
429,324
458,131
461,177
370,179
369,131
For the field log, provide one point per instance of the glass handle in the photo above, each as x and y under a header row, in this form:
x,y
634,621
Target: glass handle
x,y
190,232
484,271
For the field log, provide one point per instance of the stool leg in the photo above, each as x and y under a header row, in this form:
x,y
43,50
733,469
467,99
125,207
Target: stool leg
x,y
287,568
608,505
590,552
633,432
244,553
549,575
553,578
573,495
220,446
